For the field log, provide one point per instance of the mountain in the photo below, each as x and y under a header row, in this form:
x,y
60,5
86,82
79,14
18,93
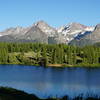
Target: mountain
x,y
74,30
88,39
44,27
72,33
38,32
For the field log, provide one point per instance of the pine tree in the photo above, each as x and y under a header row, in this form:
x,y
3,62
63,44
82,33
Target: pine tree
x,y
54,58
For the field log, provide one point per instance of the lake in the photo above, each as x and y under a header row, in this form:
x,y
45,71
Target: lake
x,y
55,82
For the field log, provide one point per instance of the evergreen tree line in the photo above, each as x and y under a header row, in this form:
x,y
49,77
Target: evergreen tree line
x,y
44,54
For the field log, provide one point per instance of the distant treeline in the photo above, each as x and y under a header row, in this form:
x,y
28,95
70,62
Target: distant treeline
x,y
45,54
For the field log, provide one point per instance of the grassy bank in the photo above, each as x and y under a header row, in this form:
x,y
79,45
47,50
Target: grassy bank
x,y
13,94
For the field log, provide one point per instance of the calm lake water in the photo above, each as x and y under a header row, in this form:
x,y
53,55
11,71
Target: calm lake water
x,y
45,82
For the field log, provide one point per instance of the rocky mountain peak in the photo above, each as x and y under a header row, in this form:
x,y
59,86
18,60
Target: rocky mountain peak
x,y
40,23
91,36
72,30
76,26
44,27
72,26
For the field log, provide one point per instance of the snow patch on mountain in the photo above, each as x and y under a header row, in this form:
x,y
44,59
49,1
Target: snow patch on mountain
x,y
89,29
73,30
1,35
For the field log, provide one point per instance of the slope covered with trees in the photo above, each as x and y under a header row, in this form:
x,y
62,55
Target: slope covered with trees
x,y
49,54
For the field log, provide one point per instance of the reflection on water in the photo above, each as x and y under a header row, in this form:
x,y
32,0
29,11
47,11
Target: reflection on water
x,y
51,81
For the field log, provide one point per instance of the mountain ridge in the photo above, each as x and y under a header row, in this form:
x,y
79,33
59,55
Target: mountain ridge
x,y
40,31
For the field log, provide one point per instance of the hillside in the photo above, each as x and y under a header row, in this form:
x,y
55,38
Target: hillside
x,y
53,55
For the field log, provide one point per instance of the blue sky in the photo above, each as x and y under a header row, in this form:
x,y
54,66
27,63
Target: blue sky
x,y
54,12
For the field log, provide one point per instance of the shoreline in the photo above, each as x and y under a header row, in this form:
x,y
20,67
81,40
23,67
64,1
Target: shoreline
x,y
7,93
73,66
58,65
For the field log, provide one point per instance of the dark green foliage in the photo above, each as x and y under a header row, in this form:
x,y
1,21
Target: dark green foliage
x,y
13,94
36,53
54,58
